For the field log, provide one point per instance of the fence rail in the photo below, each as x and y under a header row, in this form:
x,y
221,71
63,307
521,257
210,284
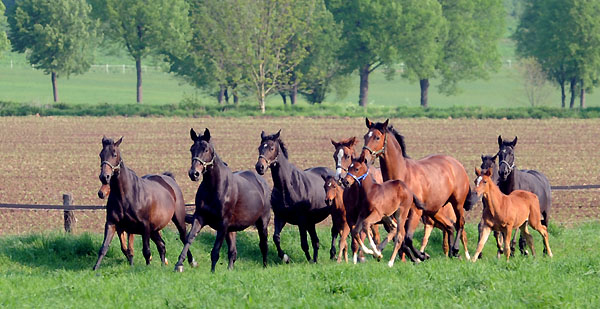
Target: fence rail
x,y
60,207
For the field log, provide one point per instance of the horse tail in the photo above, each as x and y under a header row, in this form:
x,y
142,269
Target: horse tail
x,y
418,202
471,200
167,173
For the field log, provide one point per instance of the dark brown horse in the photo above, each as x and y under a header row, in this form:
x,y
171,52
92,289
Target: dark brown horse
x,y
504,213
227,202
137,205
298,196
376,201
436,179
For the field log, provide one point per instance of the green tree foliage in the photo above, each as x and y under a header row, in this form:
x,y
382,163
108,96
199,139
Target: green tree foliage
x,y
564,37
143,26
371,29
58,36
4,43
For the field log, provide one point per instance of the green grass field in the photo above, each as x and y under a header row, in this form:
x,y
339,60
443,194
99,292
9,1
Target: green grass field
x,y
54,270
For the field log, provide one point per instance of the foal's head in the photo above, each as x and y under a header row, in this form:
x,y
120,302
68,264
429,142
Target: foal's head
x,y
483,182
331,186
110,158
488,162
357,171
506,157
343,154
270,150
375,139
203,154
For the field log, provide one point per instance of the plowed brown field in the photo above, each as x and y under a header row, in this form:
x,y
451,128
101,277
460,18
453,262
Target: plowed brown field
x,y
43,157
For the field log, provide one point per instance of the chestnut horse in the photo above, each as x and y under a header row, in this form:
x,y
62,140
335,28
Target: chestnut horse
x,y
376,201
227,202
297,197
137,205
512,178
436,180
505,212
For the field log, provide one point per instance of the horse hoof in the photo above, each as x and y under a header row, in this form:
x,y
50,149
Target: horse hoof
x,y
179,268
286,259
417,261
194,264
166,261
426,255
362,259
390,263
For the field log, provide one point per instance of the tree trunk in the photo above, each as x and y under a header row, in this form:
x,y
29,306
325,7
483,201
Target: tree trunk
x,y
573,84
582,97
221,94
54,86
261,98
236,99
364,85
563,96
424,83
226,93
283,97
138,70
294,94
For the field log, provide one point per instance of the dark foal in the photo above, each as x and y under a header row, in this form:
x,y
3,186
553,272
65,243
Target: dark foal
x,y
512,178
227,202
137,205
298,197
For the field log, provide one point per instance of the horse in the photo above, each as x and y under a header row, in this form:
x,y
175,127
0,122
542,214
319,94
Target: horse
x,y
391,198
226,201
343,155
297,197
137,205
512,178
504,212
436,180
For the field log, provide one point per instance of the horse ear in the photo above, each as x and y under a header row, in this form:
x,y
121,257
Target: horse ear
x,y
368,123
193,134
482,157
385,124
206,134
494,157
334,143
277,134
499,140
353,141
117,143
477,171
262,135
514,142
104,139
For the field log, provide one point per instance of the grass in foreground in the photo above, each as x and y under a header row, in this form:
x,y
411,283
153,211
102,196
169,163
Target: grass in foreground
x,y
54,270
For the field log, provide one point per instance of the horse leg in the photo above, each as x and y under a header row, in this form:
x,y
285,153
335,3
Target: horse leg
x,y
179,221
399,237
314,239
232,249
304,240
357,235
109,233
545,223
146,247
160,246
507,241
344,244
375,231
263,235
196,227
389,225
459,226
279,224
536,225
214,254
464,242
427,228
525,233
130,247
334,235
483,236
414,218
124,246
499,243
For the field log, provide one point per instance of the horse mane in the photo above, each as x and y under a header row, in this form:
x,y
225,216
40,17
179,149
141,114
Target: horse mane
x,y
107,141
400,138
167,173
275,138
349,142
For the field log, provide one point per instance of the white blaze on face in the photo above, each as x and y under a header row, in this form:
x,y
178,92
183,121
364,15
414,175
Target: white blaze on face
x,y
338,170
478,180
370,134
265,145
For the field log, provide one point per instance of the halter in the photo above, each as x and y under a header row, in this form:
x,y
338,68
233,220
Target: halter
x,y
267,160
342,168
205,165
113,168
510,167
359,179
375,154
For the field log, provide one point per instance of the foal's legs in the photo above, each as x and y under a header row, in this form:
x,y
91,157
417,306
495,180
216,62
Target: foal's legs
x,y
413,220
536,225
483,236
428,228
344,244
196,227
160,246
232,252
109,233
279,224
334,235
314,239
214,254
528,238
507,240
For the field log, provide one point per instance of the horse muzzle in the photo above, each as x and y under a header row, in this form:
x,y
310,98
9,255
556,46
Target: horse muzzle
x,y
194,174
260,168
104,191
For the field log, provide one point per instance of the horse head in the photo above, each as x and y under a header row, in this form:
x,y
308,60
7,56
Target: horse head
x,y
343,154
375,139
203,154
331,186
269,151
506,157
357,171
110,159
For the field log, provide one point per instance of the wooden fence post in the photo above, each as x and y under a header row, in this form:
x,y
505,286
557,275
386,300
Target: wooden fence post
x,y
69,214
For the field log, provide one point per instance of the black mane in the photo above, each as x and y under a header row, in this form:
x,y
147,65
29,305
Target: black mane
x,y
400,138
273,137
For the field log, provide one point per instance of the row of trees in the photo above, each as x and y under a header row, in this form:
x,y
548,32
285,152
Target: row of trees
x,y
290,47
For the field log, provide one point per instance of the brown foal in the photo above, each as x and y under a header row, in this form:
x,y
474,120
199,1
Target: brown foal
x,y
506,212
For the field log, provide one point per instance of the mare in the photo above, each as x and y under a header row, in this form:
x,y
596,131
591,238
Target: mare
x,y
512,178
504,213
297,198
137,205
226,201
436,180
376,201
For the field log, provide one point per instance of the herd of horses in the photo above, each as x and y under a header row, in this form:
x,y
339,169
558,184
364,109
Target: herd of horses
x,y
358,196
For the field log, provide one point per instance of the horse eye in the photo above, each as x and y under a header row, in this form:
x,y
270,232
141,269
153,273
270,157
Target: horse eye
x,y
206,150
114,154
377,138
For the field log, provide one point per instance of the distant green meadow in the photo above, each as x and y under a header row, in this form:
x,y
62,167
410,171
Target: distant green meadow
x,y
53,270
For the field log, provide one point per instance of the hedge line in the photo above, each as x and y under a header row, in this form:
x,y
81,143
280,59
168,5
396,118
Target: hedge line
x,y
193,109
